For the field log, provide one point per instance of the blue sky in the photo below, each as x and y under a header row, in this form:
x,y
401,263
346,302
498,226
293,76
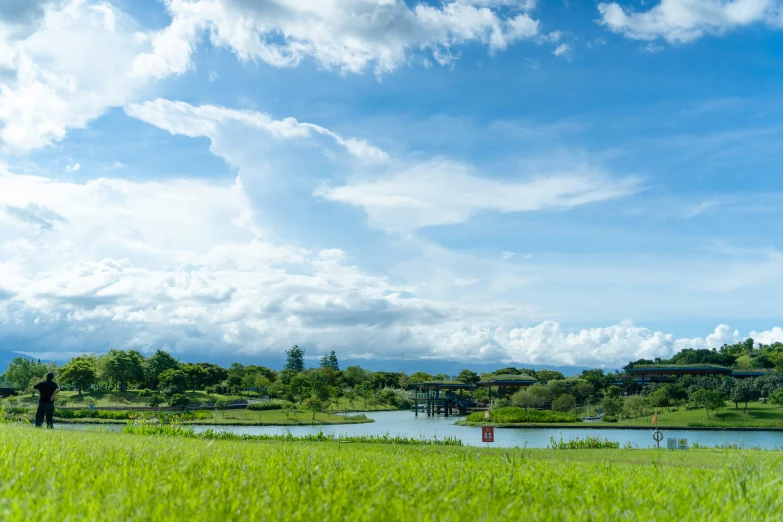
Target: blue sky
x,y
475,180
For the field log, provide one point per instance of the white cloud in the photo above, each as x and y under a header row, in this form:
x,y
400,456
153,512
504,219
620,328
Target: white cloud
x,y
185,266
506,254
72,60
73,167
465,282
186,120
442,192
775,335
564,50
682,21
347,35
613,346
68,71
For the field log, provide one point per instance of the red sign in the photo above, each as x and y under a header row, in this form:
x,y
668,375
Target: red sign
x,y
487,434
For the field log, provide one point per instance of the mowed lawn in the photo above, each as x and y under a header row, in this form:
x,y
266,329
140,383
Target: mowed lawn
x,y
70,476
757,415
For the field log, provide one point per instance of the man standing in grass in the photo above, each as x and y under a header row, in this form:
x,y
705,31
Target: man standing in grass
x,y
47,391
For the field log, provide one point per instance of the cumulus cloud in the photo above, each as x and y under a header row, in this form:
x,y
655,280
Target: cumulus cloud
x,y
682,21
347,35
69,61
185,266
70,68
563,50
442,192
775,335
187,120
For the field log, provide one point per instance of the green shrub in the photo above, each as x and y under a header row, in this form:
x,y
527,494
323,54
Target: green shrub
x,y
270,405
609,418
512,414
588,442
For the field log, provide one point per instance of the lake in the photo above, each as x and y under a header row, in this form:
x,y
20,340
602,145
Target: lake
x,y
406,423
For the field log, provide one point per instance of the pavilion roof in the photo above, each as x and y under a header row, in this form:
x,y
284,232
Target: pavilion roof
x,y
680,369
446,385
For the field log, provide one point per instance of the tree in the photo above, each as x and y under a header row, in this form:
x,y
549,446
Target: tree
x,y
708,399
595,377
173,381
197,375
631,386
155,400
236,372
660,399
440,377
318,386
524,399
582,389
612,391
404,381
776,397
549,375
215,374
356,374
295,359
315,405
533,397
364,390
742,390
777,360
420,377
636,405
80,372
677,393
556,388
565,402
468,377
611,405
541,393
330,361
156,364
180,401
124,367
300,386
22,370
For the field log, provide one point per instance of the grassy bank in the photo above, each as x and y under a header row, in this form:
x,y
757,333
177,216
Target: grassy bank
x,y
115,476
219,417
757,416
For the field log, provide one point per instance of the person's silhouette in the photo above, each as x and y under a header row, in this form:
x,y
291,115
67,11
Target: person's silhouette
x,y
47,391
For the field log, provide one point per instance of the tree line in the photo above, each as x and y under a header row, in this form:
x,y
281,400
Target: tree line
x,y
162,375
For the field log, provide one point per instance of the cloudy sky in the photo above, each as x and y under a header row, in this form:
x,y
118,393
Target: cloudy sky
x,y
562,182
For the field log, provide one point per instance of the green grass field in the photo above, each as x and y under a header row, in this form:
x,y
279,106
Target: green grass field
x,y
75,476
758,415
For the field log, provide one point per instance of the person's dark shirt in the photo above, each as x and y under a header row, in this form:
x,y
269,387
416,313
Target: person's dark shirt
x,y
47,389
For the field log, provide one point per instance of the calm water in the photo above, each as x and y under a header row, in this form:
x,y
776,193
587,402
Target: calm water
x,y
405,423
